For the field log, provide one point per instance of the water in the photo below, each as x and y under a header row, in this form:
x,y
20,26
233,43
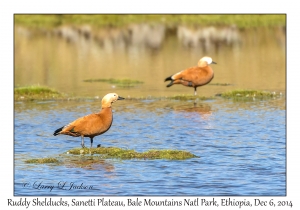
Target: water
x,y
255,61
241,148
241,145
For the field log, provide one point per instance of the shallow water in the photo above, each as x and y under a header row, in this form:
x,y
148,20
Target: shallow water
x,y
256,60
241,148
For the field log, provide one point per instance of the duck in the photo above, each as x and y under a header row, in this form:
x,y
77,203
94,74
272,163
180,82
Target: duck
x,y
93,124
195,76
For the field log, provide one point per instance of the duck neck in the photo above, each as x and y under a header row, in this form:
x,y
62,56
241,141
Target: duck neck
x,y
106,104
107,112
209,70
106,116
202,64
105,109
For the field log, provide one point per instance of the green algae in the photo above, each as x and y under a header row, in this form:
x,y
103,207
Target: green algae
x,y
42,160
35,92
85,157
188,97
119,153
42,93
249,94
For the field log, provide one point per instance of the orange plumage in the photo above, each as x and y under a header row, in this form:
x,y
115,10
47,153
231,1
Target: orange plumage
x,y
196,76
93,124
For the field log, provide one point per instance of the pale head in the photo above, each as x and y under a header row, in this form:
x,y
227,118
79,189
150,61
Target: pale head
x,y
205,61
109,98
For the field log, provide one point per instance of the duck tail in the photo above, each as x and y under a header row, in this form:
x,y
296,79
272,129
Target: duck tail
x,y
169,78
56,132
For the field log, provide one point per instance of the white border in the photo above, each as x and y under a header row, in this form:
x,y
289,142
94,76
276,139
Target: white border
x,y
8,8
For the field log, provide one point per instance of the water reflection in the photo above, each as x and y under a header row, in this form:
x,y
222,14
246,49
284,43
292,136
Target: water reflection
x,y
140,36
64,57
209,38
148,35
201,110
88,163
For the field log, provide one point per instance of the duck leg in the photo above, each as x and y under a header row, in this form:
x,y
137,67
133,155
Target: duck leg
x,y
195,93
91,142
82,141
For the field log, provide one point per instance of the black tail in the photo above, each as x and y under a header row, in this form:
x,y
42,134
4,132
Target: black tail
x,y
57,131
169,78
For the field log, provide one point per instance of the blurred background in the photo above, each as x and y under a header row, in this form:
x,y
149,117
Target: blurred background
x,y
91,55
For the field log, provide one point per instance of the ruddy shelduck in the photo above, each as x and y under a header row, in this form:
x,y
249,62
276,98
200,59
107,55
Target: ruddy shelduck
x,y
194,76
93,124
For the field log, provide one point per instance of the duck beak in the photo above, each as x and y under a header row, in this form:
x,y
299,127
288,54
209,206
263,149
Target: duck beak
x,y
213,62
120,98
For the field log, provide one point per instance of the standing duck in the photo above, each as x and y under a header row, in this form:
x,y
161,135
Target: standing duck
x,y
93,124
194,77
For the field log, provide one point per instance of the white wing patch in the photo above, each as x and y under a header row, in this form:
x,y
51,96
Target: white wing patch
x,y
176,74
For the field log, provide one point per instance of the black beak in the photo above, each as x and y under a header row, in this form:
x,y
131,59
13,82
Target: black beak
x,y
120,98
213,62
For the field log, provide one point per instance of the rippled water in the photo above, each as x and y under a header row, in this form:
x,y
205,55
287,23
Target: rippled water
x,y
241,148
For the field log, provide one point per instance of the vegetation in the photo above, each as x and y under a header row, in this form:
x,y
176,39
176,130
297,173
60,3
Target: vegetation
x,y
118,20
114,152
118,82
188,97
248,94
42,160
29,93
35,92
45,93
